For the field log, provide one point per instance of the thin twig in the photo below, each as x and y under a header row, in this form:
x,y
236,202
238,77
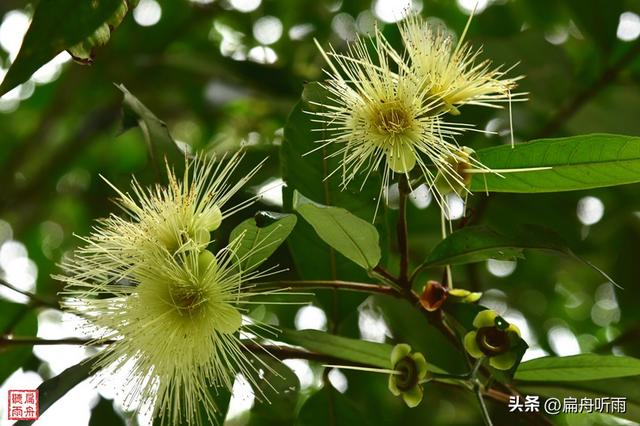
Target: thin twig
x,y
36,300
483,407
403,244
37,341
385,274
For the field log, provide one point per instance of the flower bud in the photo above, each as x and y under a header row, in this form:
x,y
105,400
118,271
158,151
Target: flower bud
x,y
210,219
401,158
460,182
206,262
433,296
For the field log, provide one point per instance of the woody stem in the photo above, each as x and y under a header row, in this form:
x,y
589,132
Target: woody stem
x,y
401,229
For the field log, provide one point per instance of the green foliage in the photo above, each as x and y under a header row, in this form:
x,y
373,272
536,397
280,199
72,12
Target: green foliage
x,y
354,238
266,231
359,351
160,143
200,88
342,412
577,162
57,25
578,367
478,243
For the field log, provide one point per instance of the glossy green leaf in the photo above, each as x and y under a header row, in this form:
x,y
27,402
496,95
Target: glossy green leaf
x,y
344,348
221,397
479,243
473,244
577,162
354,238
55,388
57,25
578,367
261,236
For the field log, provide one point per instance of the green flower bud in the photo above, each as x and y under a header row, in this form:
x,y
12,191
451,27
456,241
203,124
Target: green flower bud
x,y
445,183
210,219
206,262
402,158
201,236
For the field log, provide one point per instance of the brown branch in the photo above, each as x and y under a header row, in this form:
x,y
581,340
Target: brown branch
x,y
401,229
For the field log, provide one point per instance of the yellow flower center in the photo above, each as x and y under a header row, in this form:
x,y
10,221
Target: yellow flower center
x,y
187,300
392,120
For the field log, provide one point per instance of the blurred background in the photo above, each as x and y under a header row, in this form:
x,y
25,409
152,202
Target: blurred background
x,y
222,73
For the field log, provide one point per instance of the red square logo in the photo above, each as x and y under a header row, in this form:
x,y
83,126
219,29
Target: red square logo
x,y
23,404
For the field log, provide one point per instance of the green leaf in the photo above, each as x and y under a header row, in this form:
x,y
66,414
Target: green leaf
x,y
330,407
354,238
578,367
160,143
354,350
628,387
478,243
55,388
19,320
473,244
57,25
261,236
578,162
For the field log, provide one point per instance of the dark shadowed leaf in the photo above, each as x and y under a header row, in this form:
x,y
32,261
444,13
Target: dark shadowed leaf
x,y
56,26
479,243
19,320
103,414
55,388
160,143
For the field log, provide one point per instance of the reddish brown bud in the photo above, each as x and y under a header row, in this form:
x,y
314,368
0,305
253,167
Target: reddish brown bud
x,y
433,296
